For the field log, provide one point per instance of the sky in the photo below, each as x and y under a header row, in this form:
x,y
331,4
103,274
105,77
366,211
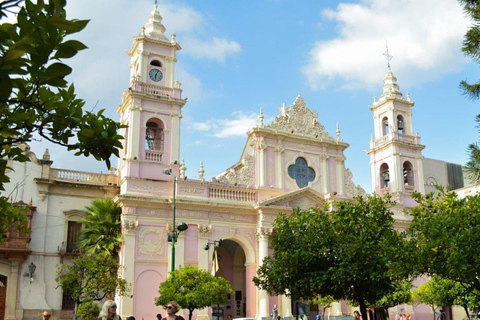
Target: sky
x,y
239,57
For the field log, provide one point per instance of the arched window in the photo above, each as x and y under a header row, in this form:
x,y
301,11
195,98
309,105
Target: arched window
x,y
408,174
156,63
384,176
154,135
385,129
400,125
301,172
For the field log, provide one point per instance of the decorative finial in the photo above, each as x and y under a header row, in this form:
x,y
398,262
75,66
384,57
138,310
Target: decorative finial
x,y
173,37
201,171
46,155
260,119
338,133
374,99
156,2
143,30
178,84
183,169
387,55
371,137
408,96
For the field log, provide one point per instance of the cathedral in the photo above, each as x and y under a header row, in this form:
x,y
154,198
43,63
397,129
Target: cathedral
x,y
288,163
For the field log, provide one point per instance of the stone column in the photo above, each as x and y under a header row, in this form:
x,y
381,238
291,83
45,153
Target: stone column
x,y
263,308
285,307
128,261
175,137
279,150
261,172
336,309
12,290
421,181
251,290
203,256
341,175
134,134
324,166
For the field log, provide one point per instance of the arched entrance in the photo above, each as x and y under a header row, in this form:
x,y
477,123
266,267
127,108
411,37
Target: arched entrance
x,y
3,295
231,261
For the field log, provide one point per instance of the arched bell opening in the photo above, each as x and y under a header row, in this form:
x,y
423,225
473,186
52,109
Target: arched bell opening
x,y
384,176
385,127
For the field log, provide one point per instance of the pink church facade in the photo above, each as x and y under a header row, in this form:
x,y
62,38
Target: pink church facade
x,y
291,162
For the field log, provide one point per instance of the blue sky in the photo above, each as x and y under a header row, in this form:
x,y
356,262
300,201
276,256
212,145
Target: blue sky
x,y
240,56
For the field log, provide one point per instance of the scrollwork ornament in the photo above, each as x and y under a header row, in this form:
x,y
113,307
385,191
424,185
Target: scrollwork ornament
x,y
151,247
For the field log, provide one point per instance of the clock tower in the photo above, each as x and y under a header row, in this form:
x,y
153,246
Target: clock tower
x,y
151,107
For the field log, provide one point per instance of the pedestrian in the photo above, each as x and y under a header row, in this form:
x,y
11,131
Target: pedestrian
x,y
159,316
172,308
318,317
109,311
131,318
46,315
274,312
229,317
356,315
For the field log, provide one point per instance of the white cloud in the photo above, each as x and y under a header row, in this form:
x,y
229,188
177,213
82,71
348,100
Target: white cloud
x,y
237,126
424,37
214,49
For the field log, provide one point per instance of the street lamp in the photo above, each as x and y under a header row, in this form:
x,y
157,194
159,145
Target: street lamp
x,y
182,226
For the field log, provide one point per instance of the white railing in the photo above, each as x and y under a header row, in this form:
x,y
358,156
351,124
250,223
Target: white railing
x,y
232,195
153,90
81,176
153,155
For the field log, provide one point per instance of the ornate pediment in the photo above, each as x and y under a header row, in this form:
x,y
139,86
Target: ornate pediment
x,y
243,174
303,198
298,119
351,189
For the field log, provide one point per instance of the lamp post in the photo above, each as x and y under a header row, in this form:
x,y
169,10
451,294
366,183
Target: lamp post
x,y
182,226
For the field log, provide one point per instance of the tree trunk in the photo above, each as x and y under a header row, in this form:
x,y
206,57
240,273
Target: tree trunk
x,y
190,313
75,309
363,309
466,311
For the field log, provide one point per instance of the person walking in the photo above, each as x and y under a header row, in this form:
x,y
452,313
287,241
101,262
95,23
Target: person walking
x,y
274,312
109,311
172,308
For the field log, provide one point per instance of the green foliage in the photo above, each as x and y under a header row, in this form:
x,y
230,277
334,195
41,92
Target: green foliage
x,y
446,231
11,215
471,43
88,310
323,302
352,253
193,288
435,293
91,278
102,234
35,98
401,295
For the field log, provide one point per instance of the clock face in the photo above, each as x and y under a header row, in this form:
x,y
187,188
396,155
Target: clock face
x,y
155,75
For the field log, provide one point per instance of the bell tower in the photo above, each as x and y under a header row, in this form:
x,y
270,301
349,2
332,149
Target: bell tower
x,y
395,151
151,107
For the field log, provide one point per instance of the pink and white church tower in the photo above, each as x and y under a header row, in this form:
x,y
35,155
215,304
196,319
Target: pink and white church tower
x,y
151,107
395,151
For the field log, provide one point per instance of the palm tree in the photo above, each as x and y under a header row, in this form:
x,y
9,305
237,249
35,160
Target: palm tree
x,y
102,233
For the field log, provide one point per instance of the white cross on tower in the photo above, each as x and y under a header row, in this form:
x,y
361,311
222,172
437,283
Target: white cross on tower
x,y
387,55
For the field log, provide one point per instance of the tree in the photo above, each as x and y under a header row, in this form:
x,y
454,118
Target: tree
x,y
401,295
12,216
351,253
35,99
471,48
102,234
91,278
88,310
435,293
446,232
193,288
323,303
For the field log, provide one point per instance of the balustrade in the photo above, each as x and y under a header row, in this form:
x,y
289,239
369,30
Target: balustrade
x,y
232,195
